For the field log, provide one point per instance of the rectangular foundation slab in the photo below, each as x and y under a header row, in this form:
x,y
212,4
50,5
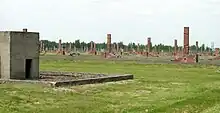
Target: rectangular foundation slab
x,y
61,83
93,80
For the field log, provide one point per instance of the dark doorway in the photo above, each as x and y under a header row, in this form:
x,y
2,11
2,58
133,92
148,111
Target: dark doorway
x,y
28,63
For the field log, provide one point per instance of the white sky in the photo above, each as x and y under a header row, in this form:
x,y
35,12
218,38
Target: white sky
x,y
126,20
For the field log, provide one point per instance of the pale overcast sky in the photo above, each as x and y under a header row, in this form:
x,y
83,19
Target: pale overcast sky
x,y
126,20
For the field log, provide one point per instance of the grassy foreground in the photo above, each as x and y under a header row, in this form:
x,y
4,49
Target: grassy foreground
x,y
155,89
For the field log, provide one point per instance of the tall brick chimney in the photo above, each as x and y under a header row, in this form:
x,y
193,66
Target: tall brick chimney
x,y
186,40
197,46
41,46
94,46
216,51
91,46
109,43
70,46
149,44
138,47
175,47
117,47
60,45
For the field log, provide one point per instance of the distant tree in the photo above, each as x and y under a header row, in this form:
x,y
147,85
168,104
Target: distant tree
x,y
203,47
207,49
134,46
193,48
121,45
130,46
77,44
83,45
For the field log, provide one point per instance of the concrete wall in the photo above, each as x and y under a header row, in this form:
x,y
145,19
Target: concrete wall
x,y
24,45
5,55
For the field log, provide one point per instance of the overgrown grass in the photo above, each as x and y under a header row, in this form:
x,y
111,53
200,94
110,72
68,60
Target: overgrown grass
x,y
155,89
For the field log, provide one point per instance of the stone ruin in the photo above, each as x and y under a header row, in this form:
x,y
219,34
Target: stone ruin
x,y
185,57
190,57
180,54
113,50
19,62
93,48
216,54
61,49
149,49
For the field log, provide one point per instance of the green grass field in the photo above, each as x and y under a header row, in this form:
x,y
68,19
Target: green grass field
x,y
156,89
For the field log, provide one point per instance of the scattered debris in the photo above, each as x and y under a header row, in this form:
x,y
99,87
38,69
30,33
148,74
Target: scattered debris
x,y
74,54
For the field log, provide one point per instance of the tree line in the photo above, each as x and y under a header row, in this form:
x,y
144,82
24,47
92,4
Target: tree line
x,y
77,44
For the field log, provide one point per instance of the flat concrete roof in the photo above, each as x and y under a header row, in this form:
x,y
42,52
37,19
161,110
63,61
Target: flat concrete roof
x,y
16,32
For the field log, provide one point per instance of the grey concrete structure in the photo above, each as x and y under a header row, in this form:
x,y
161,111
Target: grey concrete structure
x,y
19,54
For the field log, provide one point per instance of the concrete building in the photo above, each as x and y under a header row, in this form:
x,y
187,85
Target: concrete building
x,y
19,55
